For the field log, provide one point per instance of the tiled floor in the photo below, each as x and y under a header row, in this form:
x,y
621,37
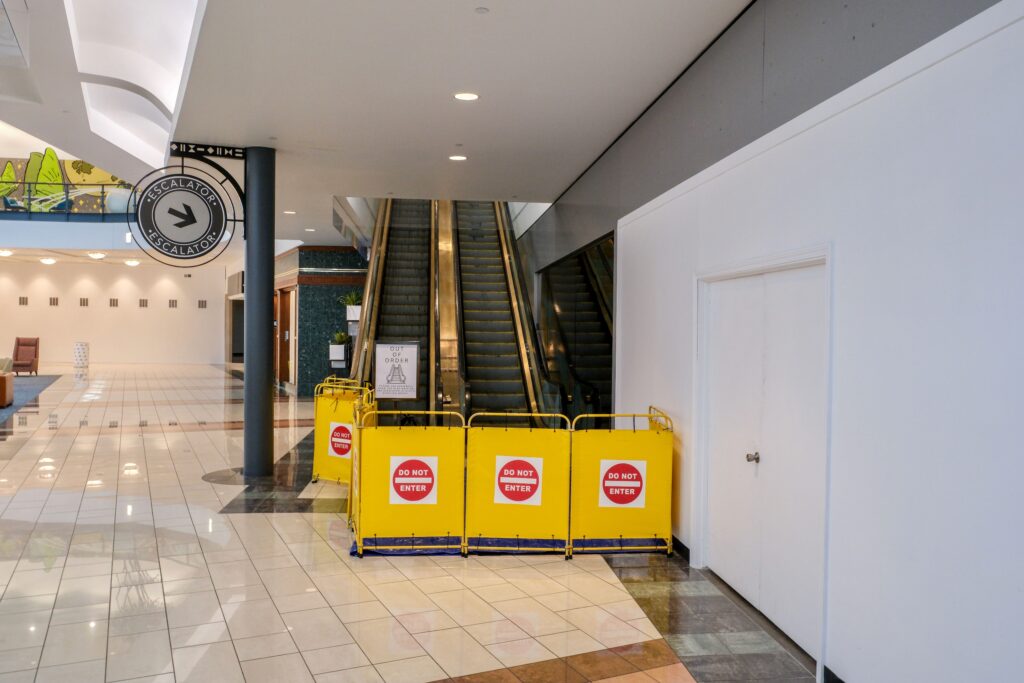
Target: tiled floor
x,y
129,551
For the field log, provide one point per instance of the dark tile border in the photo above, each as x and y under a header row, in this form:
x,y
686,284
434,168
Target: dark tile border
x,y
280,491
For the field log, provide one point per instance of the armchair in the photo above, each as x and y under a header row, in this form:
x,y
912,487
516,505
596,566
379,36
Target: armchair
x,y
26,355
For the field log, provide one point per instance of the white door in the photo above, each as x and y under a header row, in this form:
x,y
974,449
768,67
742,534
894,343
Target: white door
x,y
767,393
734,421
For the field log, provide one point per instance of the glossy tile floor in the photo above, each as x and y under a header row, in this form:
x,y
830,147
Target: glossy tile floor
x,y
126,554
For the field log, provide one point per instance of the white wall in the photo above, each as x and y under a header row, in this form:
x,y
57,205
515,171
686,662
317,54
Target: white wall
x,y
913,178
126,334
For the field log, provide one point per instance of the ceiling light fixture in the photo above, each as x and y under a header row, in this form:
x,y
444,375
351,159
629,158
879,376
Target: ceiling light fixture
x,y
131,263
5,252
457,157
289,213
47,261
310,229
97,255
467,96
482,10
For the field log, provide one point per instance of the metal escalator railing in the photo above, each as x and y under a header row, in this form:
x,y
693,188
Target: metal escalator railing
x,y
432,299
545,394
363,363
601,274
453,385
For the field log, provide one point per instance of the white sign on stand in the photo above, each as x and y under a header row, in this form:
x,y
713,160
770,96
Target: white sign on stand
x,y
396,369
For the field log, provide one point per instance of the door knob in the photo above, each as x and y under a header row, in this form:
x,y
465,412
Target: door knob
x,y
754,457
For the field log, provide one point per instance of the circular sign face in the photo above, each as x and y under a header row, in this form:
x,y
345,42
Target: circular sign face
x,y
518,480
184,215
181,216
413,480
622,483
341,440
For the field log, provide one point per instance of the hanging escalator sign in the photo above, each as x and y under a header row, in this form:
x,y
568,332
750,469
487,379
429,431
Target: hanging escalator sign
x,y
396,369
182,215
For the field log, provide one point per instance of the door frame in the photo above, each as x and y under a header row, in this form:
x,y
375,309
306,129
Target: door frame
x,y
816,255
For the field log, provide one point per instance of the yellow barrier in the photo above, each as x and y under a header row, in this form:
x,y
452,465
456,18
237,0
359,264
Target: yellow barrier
x,y
517,487
334,426
365,404
622,486
410,485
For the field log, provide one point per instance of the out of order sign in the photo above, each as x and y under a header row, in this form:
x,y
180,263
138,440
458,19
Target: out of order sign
x,y
623,484
340,441
517,481
413,480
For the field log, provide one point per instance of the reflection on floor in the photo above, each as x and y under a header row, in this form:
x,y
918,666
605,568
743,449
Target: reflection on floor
x,y
130,550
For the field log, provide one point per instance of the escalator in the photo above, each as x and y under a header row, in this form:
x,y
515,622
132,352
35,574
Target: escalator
x,y
583,311
493,360
405,301
446,274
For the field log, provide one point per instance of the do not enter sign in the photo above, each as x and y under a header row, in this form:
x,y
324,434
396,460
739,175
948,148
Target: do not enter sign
x,y
413,480
341,440
517,481
623,483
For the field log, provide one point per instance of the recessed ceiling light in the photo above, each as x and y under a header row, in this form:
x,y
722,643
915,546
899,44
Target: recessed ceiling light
x,y
131,263
310,229
47,261
457,157
5,252
289,213
97,255
467,96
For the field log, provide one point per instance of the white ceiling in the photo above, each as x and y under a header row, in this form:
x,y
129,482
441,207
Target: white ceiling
x,y
357,96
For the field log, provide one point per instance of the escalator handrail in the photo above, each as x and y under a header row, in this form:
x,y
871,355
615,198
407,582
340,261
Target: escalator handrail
x,y
535,370
371,308
459,322
594,280
433,335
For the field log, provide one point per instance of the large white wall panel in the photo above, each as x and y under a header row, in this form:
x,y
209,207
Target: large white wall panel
x,y
912,178
126,334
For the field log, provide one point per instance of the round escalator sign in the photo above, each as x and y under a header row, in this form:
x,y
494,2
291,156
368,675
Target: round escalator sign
x,y
181,216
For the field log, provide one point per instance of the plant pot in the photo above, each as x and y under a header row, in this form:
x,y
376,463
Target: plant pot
x,y
337,352
352,313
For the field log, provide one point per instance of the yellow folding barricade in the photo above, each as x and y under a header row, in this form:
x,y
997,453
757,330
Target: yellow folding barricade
x,y
622,486
334,427
365,404
517,487
411,486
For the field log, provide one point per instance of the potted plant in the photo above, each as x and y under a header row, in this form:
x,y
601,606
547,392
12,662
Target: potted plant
x,y
338,344
353,305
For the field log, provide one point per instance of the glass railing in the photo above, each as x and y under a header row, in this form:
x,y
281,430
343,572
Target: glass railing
x,y
65,201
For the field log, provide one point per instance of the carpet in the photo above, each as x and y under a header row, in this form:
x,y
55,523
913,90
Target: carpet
x,y
26,388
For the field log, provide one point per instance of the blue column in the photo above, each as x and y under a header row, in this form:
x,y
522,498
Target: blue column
x,y
259,312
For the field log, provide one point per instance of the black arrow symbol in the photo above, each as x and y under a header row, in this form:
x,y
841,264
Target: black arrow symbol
x,y
187,216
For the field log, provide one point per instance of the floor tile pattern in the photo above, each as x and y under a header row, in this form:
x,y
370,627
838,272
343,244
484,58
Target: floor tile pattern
x,y
130,551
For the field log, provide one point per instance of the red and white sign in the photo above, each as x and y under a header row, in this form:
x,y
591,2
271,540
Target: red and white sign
x,y
517,481
623,484
413,480
340,443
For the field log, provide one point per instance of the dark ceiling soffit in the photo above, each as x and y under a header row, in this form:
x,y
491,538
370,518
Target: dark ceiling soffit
x,y
644,112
